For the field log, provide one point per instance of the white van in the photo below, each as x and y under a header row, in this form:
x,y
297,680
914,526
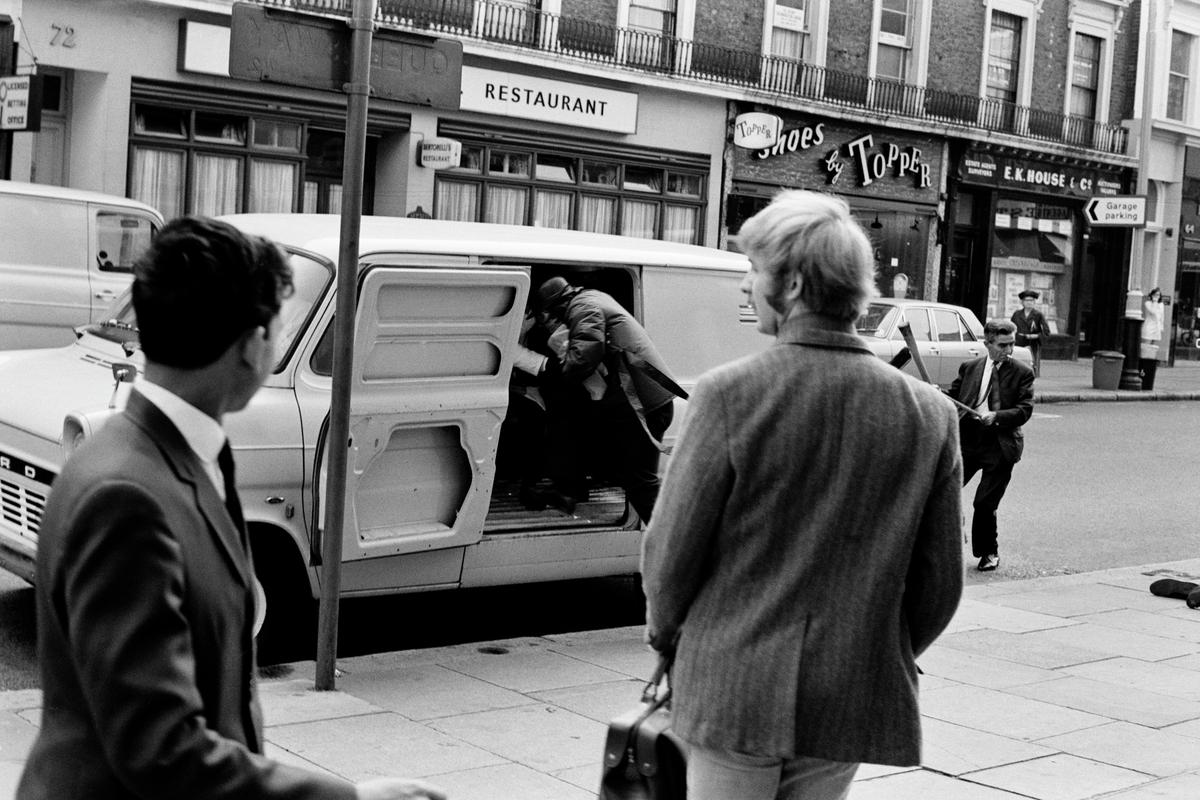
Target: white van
x,y
65,256
432,493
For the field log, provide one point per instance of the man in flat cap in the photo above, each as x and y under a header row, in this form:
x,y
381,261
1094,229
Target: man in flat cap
x,y
623,399
1031,328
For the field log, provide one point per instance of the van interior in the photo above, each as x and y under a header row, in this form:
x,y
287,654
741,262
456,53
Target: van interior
x,y
526,449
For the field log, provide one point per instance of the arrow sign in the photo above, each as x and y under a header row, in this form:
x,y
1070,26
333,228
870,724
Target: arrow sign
x,y
1127,211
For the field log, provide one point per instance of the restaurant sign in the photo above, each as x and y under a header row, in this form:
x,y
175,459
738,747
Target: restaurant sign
x,y
1028,175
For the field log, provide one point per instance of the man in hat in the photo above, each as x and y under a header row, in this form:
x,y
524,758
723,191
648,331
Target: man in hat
x,y
1031,328
630,413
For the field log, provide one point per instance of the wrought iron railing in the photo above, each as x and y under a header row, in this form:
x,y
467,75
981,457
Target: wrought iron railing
x,y
648,51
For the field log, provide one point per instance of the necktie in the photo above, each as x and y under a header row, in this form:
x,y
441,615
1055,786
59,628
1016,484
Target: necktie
x,y
232,504
994,388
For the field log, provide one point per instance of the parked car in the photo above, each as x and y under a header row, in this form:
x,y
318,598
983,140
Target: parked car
x,y
946,335
66,255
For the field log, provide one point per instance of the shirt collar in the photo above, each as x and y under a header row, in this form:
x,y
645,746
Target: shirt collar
x,y
202,433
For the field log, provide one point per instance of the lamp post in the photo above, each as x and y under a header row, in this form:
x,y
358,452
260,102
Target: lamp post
x,y
1131,376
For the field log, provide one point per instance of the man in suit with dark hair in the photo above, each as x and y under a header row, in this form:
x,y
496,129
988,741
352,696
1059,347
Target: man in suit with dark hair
x,y
1000,390
145,583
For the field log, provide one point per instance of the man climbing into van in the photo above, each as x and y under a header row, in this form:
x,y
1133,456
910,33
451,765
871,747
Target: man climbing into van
x,y
625,425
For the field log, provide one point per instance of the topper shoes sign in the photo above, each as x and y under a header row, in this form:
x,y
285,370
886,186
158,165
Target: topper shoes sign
x,y
756,130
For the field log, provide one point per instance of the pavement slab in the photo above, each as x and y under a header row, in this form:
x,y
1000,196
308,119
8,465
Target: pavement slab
x,y
291,701
1128,703
541,736
1074,601
1101,639
1160,677
994,615
599,701
925,785
429,691
375,745
532,670
955,749
1059,777
1122,744
1154,623
978,669
1022,648
1005,714
1181,786
518,781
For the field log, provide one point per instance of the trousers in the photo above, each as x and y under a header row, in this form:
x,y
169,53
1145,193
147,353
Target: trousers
x,y
720,775
981,453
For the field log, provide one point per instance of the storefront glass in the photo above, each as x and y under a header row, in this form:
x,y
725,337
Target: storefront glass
x,y
1032,247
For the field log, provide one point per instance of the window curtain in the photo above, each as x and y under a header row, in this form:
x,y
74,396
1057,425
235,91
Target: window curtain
x,y
335,198
552,210
680,224
272,186
640,219
597,214
506,205
158,179
216,185
310,196
457,201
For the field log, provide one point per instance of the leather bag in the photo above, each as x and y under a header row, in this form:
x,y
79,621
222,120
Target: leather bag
x,y
643,758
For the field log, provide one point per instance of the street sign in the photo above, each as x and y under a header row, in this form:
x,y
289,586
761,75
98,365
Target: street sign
x,y
21,103
1127,211
278,46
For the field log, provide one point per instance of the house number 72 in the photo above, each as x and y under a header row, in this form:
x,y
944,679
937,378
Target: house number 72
x,y
64,35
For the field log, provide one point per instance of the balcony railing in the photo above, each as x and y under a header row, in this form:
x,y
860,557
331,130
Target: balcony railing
x,y
646,51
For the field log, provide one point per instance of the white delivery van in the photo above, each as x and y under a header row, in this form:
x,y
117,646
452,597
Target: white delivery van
x,y
432,492
65,255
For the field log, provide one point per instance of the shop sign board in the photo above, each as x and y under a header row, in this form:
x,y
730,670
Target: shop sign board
x,y
20,103
311,51
526,97
755,130
1028,175
1126,211
440,153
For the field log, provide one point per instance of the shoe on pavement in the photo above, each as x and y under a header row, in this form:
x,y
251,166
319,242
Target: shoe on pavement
x,y
1193,598
1169,587
988,563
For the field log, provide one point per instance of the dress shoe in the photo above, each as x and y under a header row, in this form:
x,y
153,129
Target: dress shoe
x,y
988,563
1193,598
1169,587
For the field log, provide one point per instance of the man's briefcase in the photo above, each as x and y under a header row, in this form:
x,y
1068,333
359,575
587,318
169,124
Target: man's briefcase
x,y
643,758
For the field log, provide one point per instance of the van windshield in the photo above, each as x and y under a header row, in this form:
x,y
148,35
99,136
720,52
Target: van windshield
x,y
310,278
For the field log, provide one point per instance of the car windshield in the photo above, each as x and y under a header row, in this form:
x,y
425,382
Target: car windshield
x,y
875,321
309,279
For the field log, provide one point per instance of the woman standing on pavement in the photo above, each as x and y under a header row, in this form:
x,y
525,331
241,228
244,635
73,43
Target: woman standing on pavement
x,y
805,547
1152,329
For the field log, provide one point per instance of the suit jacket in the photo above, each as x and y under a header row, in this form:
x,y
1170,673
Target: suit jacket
x,y
805,549
1016,404
145,638
1034,323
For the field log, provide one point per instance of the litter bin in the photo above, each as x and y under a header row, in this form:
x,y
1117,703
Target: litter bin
x,y
1106,369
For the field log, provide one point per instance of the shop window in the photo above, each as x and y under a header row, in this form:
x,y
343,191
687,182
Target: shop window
x,y
1032,248
278,135
219,163
555,168
600,174
548,189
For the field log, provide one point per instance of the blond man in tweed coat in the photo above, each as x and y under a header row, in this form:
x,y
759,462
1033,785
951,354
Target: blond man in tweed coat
x,y
805,547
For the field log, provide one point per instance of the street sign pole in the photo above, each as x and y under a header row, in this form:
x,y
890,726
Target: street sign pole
x,y
357,90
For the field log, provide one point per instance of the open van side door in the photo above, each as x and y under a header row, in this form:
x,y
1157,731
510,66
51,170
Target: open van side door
x,y
432,357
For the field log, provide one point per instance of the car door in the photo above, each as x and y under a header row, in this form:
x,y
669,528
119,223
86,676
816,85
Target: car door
x,y
955,342
429,389
116,236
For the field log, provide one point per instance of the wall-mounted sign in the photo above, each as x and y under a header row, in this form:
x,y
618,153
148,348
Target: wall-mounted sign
x,y
873,163
440,153
756,130
21,103
513,95
1127,211
1036,176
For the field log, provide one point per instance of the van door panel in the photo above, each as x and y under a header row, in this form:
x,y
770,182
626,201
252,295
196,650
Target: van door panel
x,y
432,356
117,237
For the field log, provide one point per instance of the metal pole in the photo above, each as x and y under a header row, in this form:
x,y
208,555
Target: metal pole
x,y
357,91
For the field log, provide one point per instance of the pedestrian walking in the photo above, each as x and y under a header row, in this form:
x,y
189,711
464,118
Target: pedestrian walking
x,y
615,395
999,389
804,550
1152,331
145,587
1031,327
